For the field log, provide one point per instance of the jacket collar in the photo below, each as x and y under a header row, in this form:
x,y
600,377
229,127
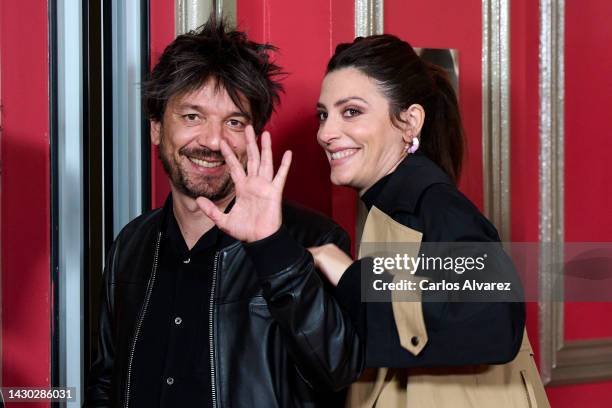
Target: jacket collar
x,y
166,211
402,189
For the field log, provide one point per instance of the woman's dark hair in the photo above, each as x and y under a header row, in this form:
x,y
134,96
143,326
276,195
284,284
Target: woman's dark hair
x,y
405,79
242,67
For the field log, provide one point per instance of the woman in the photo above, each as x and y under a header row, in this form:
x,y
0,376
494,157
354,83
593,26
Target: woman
x,y
391,129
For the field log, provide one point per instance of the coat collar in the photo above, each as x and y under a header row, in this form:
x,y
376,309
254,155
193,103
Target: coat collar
x,y
402,189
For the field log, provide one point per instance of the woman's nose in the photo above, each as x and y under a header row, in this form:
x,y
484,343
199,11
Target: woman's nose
x,y
328,132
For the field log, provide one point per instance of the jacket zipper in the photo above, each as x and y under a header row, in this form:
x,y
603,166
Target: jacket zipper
x,y
211,332
143,312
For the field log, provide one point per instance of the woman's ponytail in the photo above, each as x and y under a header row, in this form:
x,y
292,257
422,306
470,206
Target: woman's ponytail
x,y
442,137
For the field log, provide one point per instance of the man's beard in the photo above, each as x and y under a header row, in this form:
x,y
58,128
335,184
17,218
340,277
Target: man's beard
x,y
214,188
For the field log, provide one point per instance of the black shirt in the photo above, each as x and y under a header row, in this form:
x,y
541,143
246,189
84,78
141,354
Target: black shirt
x,y
172,358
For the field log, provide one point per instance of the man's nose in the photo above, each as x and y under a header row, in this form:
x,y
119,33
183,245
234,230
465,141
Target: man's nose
x,y
210,135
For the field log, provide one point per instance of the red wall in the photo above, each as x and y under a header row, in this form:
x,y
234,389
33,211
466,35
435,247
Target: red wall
x,y
588,144
306,34
161,34
420,24
25,212
585,48
524,135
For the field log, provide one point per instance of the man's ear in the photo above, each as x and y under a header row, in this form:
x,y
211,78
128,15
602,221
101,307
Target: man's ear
x,y
413,118
156,129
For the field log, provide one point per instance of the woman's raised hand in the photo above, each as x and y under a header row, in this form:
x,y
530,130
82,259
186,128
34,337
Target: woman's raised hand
x,y
257,212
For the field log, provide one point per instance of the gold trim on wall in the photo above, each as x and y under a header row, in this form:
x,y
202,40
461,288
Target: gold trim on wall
x,y
551,228
496,113
369,17
191,14
227,9
369,20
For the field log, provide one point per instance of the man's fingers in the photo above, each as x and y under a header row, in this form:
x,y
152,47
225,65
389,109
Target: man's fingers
x,y
236,169
212,211
283,170
266,168
252,152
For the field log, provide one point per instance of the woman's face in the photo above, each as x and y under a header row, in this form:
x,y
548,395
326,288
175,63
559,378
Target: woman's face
x,y
355,130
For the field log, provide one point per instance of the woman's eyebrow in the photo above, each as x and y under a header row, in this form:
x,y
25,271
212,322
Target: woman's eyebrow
x,y
345,100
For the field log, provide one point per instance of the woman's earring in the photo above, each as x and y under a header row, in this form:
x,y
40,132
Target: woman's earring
x,y
415,145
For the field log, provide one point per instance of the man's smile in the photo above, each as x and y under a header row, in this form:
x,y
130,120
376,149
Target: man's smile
x,y
206,163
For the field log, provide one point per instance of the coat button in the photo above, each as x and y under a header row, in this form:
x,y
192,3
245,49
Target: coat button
x,y
186,261
414,340
169,380
178,320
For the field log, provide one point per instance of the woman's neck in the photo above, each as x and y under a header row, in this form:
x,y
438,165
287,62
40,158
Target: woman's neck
x,y
391,170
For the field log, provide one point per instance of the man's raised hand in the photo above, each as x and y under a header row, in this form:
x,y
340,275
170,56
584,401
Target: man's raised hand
x,y
257,212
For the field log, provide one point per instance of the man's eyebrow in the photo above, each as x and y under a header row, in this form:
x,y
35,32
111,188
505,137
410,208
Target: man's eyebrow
x,y
240,114
185,106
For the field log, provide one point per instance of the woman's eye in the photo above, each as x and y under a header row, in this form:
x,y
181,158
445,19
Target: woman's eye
x,y
321,116
351,112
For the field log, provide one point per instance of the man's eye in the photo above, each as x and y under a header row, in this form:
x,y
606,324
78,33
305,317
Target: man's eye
x,y
321,116
351,112
191,117
235,123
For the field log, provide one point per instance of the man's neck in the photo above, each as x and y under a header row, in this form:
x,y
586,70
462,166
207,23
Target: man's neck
x,y
192,221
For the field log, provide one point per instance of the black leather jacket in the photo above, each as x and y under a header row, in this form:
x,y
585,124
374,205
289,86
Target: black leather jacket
x,y
278,338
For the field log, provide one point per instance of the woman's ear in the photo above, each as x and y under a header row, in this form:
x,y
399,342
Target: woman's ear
x,y
413,117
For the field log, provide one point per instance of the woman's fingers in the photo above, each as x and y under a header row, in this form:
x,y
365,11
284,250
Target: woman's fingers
x,y
266,168
252,152
332,261
313,252
236,169
212,211
283,170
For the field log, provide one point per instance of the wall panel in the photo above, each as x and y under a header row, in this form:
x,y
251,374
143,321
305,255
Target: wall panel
x,y
587,188
25,195
161,34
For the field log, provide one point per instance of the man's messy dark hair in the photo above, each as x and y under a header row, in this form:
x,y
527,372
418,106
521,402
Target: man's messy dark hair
x,y
240,66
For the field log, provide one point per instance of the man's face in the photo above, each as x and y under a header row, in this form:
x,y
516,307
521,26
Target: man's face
x,y
188,141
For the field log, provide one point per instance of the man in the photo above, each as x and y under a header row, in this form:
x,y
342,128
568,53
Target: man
x,y
206,313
